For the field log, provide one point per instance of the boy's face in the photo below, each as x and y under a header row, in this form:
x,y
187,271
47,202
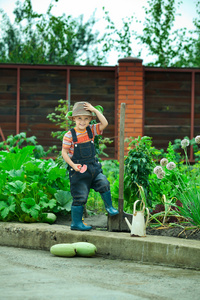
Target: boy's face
x,y
82,122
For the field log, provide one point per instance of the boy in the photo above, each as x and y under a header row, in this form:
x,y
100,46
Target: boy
x,y
78,150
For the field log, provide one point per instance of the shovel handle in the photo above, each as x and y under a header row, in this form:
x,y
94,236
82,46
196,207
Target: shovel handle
x,y
147,218
121,157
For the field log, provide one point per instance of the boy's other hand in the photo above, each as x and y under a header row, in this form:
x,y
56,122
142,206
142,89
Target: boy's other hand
x,y
77,167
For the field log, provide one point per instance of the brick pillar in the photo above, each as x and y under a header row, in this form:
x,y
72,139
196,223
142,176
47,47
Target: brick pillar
x,y
131,92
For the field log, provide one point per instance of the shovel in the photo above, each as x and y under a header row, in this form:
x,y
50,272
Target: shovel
x,y
117,222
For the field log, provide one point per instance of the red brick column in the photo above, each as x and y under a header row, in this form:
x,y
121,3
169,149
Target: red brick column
x,y
131,92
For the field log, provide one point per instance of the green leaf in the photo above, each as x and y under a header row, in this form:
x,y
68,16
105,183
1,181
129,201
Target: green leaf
x,y
16,187
48,203
64,198
16,174
55,173
6,207
31,140
16,160
29,206
31,167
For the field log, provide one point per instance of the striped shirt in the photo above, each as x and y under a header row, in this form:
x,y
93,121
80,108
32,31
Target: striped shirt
x,y
82,137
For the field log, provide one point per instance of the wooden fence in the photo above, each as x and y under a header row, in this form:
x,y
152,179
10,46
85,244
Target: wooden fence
x,y
161,103
29,93
172,104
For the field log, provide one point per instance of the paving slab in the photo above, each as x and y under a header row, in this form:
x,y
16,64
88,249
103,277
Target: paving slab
x,y
168,251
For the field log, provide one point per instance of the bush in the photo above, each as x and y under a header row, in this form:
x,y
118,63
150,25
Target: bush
x,y
30,186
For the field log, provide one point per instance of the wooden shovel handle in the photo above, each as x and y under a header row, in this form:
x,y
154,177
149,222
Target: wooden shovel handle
x,y
121,157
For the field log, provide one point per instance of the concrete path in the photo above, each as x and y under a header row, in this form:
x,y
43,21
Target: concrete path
x,y
159,250
37,275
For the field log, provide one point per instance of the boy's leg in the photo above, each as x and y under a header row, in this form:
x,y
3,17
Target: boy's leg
x,y
77,223
108,203
101,184
79,190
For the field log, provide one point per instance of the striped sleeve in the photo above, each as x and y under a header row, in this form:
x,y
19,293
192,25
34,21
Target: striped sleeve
x,y
67,140
96,130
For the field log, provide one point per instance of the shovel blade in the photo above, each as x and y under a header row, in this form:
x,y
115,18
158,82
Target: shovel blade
x,y
118,223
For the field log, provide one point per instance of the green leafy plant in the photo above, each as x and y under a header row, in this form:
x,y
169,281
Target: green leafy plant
x,y
111,171
29,186
164,213
138,166
59,117
13,143
165,187
186,186
181,156
64,200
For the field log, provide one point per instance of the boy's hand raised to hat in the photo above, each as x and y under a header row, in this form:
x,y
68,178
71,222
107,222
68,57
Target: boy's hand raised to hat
x,y
89,107
102,119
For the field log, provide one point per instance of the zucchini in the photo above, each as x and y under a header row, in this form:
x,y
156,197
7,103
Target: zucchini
x,y
85,249
66,250
48,218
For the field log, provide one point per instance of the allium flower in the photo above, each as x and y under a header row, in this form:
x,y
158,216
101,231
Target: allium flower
x,y
161,175
197,139
164,162
158,170
170,166
185,143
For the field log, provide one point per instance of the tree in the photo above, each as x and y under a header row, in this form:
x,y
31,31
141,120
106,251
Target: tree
x,y
178,48
157,34
46,39
192,49
118,40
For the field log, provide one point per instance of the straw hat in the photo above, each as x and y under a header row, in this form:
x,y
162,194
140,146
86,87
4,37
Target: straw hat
x,y
79,110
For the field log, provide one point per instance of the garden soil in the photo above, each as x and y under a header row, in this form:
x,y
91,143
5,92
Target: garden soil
x,y
99,222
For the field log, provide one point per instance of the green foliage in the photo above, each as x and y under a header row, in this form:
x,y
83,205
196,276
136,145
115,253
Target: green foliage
x,y
138,167
179,153
169,47
191,48
159,20
64,200
184,183
59,117
46,39
166,185
29,186
111,171
14,143
164,213
122,44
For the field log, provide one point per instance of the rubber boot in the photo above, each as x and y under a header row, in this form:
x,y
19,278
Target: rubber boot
x,y
108,203
77,224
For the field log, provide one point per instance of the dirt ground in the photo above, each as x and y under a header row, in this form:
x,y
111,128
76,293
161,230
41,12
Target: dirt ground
x,y
99,222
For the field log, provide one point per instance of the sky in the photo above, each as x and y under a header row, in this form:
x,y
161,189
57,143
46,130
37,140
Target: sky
x,y
118,9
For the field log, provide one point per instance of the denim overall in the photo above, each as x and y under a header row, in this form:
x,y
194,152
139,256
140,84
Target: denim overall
x,y
93,178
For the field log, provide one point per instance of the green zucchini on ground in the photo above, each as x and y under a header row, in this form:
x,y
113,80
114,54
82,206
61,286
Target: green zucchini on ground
x,y
48,218
70,250
66,250
85,249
